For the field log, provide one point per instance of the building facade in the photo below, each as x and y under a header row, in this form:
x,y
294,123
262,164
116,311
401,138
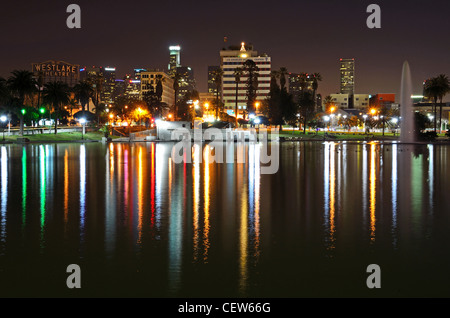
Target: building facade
x,y
232,59
51,71
361,101
382,100
212,88
149,80
341,100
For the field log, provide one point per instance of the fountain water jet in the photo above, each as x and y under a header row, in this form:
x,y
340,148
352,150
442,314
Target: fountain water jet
x,y
407,123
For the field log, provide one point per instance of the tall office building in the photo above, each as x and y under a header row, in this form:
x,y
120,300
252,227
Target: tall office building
x,y
107,86
186,81
174,59
212,88
132,87
295,84
234,57
347,71
107,92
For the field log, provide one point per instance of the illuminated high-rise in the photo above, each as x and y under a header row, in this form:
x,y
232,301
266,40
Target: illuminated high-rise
x,y
233,58
347,71
174,59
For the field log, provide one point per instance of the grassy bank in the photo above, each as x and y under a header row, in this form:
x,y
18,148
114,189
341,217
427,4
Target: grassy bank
x,y
345,135
59,137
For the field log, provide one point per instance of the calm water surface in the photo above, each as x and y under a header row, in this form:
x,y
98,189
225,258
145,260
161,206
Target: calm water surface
x,y
140,225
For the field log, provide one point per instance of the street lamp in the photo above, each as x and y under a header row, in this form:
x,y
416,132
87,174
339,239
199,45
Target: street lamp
x,y
365,117
83,122
326,119
3,119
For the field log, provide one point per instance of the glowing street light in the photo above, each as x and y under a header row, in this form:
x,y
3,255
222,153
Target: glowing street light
x,y
365,117
3,119
83,122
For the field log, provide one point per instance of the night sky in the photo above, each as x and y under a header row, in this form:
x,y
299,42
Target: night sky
x,y
303,36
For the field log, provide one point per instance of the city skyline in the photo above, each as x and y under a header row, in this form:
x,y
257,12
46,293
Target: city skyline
x,y
114,37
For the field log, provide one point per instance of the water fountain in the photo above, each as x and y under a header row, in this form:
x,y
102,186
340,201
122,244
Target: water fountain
x,y
407,124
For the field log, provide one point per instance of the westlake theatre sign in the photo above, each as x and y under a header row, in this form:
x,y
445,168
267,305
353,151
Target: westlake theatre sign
x,y
57,71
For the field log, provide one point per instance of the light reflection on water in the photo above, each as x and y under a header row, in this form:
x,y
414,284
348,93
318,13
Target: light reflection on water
x,y
140,224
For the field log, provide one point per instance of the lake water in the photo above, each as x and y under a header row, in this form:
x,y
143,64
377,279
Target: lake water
x,y
140,225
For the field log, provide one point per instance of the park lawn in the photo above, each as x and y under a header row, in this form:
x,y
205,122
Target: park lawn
x,y
338,135
63,136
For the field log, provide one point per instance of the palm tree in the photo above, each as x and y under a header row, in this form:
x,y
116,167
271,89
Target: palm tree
x,y
21,84
315,84
176,87
328,101
4,91
251,70
73,103
39,84
217,79
159,86
444,85
97,81
56,94
83,92
238,72
282,73
433,91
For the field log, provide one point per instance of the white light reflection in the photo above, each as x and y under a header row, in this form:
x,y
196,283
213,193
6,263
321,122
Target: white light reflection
x,y
110,221
4,196
394,193
43,189
430,175
330,193
196,153
175,234
82,189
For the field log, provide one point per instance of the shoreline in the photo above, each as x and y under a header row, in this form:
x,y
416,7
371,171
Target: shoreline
x,y
281,140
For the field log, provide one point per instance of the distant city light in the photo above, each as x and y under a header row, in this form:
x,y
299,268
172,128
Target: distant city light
x,y
175,48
